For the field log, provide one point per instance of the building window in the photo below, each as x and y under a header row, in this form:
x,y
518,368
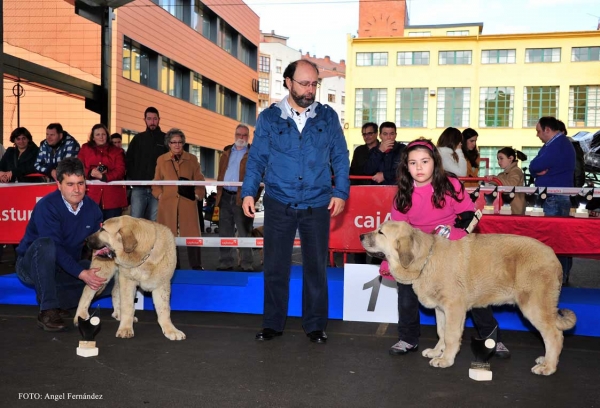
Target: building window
x,y
278,87
455,57
365,59
264,64
196,96
539,101
585,54
342,116
246,111
496,107
453,105
209,94
226,102
343,98
263,86
419,33
411,107
531,153
226,37
137,59
413,58
498,56
331,96
542,55
207,21
584,106
371,106
171,78
175,7
458,33
278,66
126,136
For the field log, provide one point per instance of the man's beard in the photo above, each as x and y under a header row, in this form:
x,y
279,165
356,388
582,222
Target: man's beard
x,y
241,143
302,100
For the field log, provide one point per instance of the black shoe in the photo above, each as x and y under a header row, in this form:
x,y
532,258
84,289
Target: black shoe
x,y
64,314
229,268
197,268
50,320
247,269
317,336
267,334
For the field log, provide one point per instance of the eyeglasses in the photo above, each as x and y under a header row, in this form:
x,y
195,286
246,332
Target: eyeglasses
x,y
369,134
306,84
177,143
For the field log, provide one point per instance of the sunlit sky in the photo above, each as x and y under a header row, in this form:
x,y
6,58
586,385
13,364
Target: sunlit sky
x,y
320,26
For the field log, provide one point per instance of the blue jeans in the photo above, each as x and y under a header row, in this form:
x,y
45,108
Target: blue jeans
x,y
409,321
54,287
559,206
143,203
281,223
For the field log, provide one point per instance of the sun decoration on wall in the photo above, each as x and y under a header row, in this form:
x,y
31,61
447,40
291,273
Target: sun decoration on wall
x,y
381,21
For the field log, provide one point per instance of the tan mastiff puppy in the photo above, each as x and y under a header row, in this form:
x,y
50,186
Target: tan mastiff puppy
x,y
479,270
139,253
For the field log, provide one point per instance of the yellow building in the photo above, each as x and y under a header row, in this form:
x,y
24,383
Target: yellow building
x,y
437,76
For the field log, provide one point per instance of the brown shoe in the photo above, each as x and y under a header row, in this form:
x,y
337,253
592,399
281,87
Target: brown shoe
x,y
50,320
64,314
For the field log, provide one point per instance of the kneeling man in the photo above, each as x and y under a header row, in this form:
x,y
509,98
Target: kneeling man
x,y
49,255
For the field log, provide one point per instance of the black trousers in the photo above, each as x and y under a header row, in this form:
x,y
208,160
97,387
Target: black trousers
x,y
409,321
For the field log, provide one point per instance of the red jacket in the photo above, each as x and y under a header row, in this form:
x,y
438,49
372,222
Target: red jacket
x,y
108,197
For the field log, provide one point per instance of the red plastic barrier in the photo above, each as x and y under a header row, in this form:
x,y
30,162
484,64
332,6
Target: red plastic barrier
x,y
16,204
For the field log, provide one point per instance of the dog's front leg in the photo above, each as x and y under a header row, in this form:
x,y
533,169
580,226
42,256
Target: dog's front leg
x,y
454,325
440,319
127,289
161,297
107,271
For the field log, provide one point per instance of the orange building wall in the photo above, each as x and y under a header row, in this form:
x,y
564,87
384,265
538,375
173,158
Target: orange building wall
x,y
189,48
378,18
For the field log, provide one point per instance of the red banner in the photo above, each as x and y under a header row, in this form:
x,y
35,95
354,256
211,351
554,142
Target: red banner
x,y
16,205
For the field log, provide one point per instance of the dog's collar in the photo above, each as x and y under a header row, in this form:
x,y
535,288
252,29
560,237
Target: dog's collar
x,y
144,259
426,259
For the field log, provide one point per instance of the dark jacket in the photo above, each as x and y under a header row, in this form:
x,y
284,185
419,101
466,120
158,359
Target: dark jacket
x,y
359,161
223,164
49,156
143,151
387,163
298,167
21,165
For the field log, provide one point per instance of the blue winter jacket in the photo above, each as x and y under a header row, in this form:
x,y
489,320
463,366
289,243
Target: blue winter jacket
x,y
297,167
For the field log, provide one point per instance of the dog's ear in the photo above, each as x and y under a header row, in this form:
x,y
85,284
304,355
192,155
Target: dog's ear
x,y
128,240
405,250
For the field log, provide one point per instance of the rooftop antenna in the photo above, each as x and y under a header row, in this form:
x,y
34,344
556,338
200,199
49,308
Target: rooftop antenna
x,y
598,17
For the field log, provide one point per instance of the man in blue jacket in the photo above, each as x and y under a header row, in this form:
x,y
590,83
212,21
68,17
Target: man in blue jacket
x,y
554,166
49,255
297,145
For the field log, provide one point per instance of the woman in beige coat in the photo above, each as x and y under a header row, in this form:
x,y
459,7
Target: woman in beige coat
x,y
512,175
176,211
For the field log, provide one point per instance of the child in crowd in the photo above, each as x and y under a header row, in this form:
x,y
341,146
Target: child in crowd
x,y
512,175
428,198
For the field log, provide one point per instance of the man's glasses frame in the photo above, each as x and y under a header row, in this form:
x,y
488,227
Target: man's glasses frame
x,y
306,84
369,133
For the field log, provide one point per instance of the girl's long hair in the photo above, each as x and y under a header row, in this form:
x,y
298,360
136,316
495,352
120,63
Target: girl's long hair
x,y
440,182
450,137
470,155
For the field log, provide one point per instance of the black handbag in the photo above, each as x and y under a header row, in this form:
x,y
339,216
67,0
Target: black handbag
x,y
188,192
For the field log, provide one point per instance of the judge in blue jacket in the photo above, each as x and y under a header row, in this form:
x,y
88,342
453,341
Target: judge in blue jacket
x,y
298,146
49,255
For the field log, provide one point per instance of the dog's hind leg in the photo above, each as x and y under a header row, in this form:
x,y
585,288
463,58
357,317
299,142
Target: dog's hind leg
x,y
440,319
454,325
161,297
107,271
542,314
127,289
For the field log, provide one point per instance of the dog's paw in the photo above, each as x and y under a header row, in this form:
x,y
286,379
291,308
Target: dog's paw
x,y
125,333
543,369
432,353
441,362
174,334
84,316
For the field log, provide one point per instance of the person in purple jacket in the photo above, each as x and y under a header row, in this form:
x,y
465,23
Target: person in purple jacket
x,y
433,201
49,255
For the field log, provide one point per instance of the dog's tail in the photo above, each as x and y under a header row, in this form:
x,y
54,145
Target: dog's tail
x,y
565,319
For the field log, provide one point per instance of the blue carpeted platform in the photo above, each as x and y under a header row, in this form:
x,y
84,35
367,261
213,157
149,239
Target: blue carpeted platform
x,y
243,293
